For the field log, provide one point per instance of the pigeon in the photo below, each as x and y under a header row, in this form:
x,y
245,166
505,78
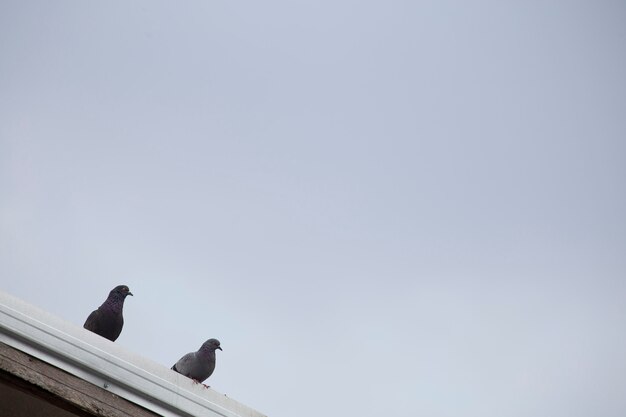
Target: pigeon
x,y
107,320
199,365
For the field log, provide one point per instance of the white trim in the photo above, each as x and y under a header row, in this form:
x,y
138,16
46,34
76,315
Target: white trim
x,y
101,362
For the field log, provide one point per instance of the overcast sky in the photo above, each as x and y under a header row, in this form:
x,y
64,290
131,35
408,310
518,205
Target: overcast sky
x,y
380,208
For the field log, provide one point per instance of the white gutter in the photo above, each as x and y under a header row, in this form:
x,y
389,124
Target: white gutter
x,y
103,363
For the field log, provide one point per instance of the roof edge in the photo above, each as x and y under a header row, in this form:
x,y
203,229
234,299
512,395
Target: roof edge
x,y
101,362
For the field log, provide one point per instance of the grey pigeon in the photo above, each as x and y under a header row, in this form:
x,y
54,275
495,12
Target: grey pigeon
x,y
199,365
107,320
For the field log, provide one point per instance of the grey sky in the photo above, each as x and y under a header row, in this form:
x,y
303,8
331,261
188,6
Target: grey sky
x,y
380,208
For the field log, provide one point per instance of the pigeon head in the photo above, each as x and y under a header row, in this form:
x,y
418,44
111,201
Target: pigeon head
x,y
120,292
211,345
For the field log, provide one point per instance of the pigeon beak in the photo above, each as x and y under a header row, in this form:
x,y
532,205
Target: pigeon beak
x,y
219,348
130,293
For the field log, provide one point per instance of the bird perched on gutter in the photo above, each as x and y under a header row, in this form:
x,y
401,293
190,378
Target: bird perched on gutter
x,y
107,320
199,365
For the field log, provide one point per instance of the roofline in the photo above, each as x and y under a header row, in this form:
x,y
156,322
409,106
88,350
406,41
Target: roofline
x,y
105,364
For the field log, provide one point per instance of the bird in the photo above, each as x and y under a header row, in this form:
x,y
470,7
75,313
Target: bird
x,y
107,321
199,365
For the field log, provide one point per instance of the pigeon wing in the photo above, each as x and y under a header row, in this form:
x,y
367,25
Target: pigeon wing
x,y
93,322
185,365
